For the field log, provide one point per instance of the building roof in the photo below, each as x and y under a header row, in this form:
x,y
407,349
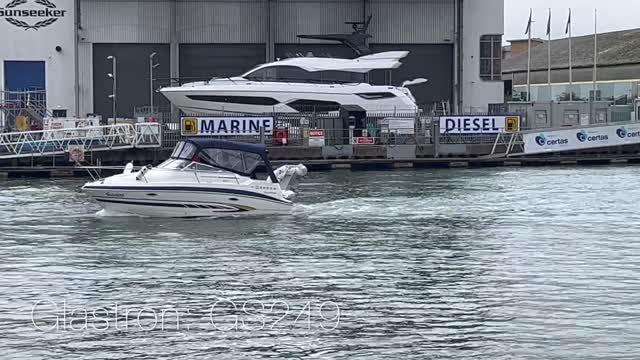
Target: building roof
x,y
614,48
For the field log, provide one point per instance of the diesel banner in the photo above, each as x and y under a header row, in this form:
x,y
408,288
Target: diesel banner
x,y
581,138
477,124
223,126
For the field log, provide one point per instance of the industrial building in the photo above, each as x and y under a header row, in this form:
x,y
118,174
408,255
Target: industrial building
x,y
68,47
618,68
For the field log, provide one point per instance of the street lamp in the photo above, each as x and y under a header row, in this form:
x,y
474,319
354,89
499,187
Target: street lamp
x,y
151,67
112,96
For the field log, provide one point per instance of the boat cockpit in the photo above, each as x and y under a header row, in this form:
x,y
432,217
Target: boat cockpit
x,y
219,155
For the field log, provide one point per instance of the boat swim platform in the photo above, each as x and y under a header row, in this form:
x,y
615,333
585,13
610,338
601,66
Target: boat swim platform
x,y
68,171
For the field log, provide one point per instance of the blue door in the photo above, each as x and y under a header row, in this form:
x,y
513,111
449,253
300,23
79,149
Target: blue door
x,y
24,75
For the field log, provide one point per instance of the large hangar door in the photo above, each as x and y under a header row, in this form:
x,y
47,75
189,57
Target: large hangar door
x,y
132,73
432,62
204,61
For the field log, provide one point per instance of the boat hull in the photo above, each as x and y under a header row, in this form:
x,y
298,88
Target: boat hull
x,y
284,97
184,201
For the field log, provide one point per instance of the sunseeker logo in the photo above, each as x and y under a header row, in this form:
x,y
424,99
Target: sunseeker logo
x,y
15,14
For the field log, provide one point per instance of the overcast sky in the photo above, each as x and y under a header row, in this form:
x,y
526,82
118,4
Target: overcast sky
x,y
612,15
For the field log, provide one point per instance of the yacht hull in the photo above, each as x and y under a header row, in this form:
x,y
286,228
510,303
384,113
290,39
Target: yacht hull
x,y
243,96
184,201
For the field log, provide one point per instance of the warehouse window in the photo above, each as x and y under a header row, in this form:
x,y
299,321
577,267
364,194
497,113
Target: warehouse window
x,y
491,57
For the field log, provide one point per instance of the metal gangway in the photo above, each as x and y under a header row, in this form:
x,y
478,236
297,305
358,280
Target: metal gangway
x,y
92,138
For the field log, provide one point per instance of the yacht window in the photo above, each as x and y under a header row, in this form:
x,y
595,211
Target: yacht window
x,y
341,76
296,74
268,73
376,96
303,105
248,100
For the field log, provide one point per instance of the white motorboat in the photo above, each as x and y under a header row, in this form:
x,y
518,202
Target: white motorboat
x,y
297,85
203,178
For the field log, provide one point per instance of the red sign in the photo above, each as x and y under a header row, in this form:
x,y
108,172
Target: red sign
x,y
316,133
364,141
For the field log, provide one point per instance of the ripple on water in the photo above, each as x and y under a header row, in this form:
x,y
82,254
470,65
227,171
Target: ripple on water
x,y
487,263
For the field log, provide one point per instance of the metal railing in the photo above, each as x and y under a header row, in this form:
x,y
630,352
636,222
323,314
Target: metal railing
x,y
95,138
31,104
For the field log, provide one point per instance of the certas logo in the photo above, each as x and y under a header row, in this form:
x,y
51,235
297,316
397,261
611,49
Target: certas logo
x,y
542,140
583,136
624,133
15,14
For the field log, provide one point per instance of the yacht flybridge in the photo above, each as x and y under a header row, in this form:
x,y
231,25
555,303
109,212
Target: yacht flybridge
x,y
299,84
203,178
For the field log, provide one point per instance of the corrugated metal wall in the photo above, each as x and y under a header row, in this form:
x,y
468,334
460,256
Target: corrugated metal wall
x,y
222,21
125,21
246,21
85,78
294,17
412,21
255,22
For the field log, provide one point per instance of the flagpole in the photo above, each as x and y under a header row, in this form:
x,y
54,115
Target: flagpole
x,y
549,58
570,25
595,55
529,58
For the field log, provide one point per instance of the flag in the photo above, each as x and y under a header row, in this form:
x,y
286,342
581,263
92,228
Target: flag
x,y
549,23
566,31
526,32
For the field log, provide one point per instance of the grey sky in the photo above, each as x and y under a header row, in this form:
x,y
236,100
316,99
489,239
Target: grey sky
x,y
612,15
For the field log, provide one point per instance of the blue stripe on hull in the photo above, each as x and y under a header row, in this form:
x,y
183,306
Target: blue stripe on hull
x,y
190,206
187,188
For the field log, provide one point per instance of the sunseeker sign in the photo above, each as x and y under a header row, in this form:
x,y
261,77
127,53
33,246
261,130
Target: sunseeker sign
x,y
34,14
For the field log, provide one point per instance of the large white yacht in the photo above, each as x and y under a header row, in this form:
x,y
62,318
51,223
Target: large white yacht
x,y
299,84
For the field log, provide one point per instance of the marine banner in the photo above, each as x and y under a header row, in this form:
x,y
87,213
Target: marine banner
x,y
581,138
226,126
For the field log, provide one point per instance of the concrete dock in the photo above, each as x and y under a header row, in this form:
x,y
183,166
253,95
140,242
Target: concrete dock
x,y
64,169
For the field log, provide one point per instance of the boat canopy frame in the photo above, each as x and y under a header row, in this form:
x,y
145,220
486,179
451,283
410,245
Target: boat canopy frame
x,y
221,153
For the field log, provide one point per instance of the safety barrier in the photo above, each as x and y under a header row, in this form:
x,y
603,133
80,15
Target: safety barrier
x,y
95,138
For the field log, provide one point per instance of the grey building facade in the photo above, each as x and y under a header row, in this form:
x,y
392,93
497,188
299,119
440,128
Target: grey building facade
x,y
201,39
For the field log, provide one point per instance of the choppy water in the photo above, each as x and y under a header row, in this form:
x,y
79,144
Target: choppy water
x,y
487,264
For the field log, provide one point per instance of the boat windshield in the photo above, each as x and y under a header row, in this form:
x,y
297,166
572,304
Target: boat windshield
x,y
174,164
233,160
238,161
184,150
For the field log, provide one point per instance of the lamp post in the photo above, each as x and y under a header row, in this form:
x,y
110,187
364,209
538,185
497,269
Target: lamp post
x,y
151,67
112,75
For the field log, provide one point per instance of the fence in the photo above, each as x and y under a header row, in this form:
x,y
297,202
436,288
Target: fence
x,y
383,128
94,138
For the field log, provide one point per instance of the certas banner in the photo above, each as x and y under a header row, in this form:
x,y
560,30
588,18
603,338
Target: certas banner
x,y
473,124
226,126
581,138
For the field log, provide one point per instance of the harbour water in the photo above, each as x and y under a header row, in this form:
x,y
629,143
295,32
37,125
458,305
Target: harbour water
x,y
475,263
